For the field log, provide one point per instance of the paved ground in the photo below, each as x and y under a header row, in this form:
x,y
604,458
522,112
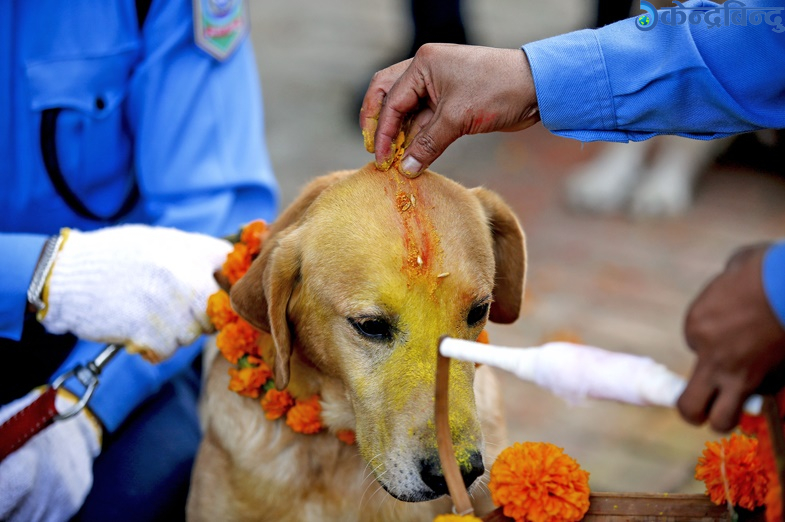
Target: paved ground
x,y
609,281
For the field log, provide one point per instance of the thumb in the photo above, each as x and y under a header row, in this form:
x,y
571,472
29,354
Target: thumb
x,y
428,144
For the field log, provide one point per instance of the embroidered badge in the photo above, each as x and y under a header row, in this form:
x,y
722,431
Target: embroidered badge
x,y
220,26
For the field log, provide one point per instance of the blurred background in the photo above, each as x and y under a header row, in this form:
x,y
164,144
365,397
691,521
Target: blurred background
x,y
606,276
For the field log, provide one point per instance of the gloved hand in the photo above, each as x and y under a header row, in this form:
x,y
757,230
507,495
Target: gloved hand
x,y
49,477
141,286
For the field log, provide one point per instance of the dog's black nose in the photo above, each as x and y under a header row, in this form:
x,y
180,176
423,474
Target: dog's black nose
x,y
431,472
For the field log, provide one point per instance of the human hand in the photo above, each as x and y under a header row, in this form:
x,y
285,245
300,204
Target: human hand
x,y
140,286
739,342
49,477
442,93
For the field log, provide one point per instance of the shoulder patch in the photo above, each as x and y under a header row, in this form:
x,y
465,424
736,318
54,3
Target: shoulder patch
x,y
220,26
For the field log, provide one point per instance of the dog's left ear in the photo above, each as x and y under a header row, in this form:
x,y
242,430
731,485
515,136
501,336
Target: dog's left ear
x,y
262,295
509,250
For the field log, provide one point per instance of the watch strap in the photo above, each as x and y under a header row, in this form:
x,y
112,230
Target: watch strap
x,y
42,269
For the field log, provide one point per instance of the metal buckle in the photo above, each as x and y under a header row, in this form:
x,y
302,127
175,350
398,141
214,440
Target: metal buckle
x,y
88,376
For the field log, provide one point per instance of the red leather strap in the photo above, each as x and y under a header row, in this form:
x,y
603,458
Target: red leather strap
x,y
27,422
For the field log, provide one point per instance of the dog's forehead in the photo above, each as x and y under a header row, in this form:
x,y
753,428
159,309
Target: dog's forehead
x,y
374,224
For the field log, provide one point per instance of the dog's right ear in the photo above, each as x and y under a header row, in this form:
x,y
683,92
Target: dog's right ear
x,y
262,295
509,250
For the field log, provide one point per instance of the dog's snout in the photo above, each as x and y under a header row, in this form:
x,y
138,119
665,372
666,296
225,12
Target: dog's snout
x,y
433,476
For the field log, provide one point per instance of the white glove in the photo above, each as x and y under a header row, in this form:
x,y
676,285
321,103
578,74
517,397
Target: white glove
x,y
140,286
49,477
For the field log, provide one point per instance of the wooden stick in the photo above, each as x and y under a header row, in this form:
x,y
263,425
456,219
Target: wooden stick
x,y
452,473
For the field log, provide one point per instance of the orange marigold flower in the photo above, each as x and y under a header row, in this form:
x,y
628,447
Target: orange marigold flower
x,y
483,337
248,381
348,437
253,235
237,339
219,310
538,482
456,518
237,263
734,462
305,416
276,403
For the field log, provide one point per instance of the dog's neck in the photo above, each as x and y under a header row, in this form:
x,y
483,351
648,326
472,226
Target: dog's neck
x,y
307,379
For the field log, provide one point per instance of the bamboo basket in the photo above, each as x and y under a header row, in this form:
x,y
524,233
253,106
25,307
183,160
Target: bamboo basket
x,y
648,507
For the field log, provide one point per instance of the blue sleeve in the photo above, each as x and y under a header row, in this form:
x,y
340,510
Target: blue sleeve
x,y
201,157
15,277
774,279
202,165
620,83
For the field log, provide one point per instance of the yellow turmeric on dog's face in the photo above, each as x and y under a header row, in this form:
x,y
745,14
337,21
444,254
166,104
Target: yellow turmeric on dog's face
x,y
387,300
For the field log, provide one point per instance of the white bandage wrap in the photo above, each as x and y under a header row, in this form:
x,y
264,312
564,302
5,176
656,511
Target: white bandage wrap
x,y
49,477
141,286
575,372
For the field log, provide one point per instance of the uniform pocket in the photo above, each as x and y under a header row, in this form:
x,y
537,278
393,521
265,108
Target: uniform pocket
x,y
86,145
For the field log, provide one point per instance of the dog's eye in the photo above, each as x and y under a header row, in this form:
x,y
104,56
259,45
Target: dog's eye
x,y
477,314
377,329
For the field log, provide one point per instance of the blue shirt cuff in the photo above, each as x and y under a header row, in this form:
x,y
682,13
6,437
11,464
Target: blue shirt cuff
x,y
24,249
126,381
774,279
560,108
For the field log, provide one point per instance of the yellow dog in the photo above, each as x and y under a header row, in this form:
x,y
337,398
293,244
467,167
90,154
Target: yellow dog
x,y
356,283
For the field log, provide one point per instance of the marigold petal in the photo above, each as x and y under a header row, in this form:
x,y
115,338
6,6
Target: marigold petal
x,y
248,381
219,310
348,437
305,416
253,236
276,403
237,263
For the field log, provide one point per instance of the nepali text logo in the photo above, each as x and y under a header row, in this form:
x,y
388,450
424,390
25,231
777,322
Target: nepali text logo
x,y
731,12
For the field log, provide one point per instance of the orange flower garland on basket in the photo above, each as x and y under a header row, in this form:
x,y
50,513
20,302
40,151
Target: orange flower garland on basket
x,y
238,341
732,471
538,482
742,470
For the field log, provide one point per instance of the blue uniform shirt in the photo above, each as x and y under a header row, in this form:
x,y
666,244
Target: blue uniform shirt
x,y
113,107
619,83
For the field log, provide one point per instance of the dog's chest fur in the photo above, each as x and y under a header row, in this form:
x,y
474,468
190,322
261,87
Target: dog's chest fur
x,y
261,470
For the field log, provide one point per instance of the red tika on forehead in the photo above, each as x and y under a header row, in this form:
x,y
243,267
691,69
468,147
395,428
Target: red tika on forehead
x,y
423,256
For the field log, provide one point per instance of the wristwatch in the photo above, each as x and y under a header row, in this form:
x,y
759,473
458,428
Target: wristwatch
x,y
45,262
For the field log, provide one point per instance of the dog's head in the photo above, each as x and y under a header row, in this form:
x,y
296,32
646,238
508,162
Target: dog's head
x,y
360,277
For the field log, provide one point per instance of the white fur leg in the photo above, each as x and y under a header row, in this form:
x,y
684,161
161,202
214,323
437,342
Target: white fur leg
x,y
667,187
604,185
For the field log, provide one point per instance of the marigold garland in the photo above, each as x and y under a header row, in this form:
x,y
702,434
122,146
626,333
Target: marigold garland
x,y
220,311
237,263
732,471
538,482
305,416
250,377
276,403
238,341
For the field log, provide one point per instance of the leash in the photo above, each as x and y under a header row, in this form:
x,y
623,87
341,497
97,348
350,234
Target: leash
x,y
42,412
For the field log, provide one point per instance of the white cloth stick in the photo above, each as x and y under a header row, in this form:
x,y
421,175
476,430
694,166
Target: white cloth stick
x,y
576,371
